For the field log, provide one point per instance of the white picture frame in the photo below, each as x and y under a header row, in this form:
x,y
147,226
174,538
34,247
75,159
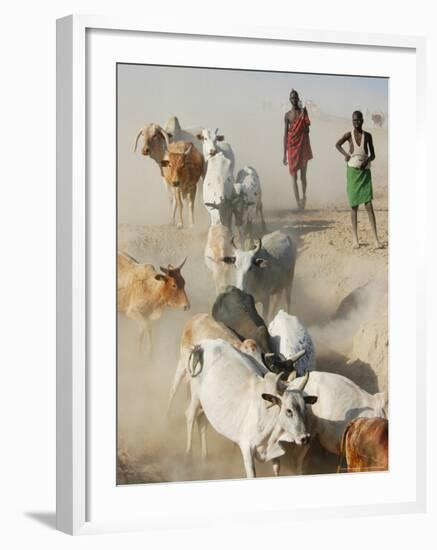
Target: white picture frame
x,y
74,342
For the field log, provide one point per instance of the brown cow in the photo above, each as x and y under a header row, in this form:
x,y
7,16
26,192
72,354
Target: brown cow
x,y
143,293
183,167
364,445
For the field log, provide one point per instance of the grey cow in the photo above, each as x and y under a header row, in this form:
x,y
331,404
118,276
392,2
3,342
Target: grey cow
x,y
266,270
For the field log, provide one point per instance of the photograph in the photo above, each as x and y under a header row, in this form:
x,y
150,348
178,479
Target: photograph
x,y
252,273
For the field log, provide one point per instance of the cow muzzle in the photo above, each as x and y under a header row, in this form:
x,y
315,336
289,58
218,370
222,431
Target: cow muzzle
x,y
304,439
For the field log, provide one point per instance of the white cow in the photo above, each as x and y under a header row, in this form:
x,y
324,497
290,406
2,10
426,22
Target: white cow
x,y
201,327
267,270
339,401
218,189
248,190
213,143
288,337
228,391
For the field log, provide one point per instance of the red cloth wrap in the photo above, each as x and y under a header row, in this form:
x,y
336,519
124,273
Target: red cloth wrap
x,y
298,143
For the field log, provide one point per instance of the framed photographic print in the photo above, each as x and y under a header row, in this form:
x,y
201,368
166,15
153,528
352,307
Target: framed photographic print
x,y
236,311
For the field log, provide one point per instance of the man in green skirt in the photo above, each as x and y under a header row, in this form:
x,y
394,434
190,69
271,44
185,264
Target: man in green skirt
x,y
359,178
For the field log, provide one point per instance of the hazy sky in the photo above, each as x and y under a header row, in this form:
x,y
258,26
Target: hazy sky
x,y
248,107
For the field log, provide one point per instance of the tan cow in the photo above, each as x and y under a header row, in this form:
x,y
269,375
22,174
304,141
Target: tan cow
x,y
200,327
183,167
143,293
364,445
218,245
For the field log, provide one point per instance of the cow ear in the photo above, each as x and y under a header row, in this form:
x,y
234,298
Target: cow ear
x,y
160,277
273,399
310,399
229,259
165,163
220,138
260,262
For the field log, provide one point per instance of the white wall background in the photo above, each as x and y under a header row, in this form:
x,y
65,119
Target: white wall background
x,y
27,388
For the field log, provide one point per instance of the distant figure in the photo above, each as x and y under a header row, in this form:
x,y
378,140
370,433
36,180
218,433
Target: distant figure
x,y
359,178
297,148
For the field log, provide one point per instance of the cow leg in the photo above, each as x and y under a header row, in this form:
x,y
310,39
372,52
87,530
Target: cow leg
x,y
145,335
169,192
180,208
249,231
191,414
249,463
173,215
276,466
179,374
202,424
259,211
297,457
191,202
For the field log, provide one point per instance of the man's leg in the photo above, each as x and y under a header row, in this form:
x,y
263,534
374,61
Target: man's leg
x,y
354,213
303,178
296,190
372,220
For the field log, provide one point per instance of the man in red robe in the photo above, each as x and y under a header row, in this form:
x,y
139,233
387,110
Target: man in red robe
x,y
297,148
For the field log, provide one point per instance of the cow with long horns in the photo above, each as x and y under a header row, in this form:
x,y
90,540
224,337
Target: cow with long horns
x,y
254,409
143,293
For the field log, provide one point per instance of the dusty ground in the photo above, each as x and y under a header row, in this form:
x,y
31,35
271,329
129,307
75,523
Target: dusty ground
x,y
339,293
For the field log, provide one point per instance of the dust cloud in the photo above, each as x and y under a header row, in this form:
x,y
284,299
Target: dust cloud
x,y
340,294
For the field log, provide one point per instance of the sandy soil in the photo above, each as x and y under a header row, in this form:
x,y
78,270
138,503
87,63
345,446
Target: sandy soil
x,y
339,293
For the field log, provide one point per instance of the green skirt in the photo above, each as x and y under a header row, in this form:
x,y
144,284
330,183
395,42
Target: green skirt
x,y
359,186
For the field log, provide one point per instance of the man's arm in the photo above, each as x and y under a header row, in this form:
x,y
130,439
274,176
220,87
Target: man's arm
x,y
339,144
371,151
307,120
284,158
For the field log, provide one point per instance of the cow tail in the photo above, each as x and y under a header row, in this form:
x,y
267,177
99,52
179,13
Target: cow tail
x,y
195,358
342,463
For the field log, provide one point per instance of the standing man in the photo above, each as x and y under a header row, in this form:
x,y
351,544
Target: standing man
x,y
297,148
359,178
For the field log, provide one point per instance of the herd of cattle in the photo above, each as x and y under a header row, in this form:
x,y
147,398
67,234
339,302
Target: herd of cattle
x,y
254,383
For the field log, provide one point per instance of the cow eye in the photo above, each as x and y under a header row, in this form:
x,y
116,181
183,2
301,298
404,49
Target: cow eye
x,y
174,285
289,412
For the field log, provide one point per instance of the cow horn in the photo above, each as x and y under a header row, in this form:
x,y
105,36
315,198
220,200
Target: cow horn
x,y
136,139
233,243
257,247
302,385
182,264
297,355
292,376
